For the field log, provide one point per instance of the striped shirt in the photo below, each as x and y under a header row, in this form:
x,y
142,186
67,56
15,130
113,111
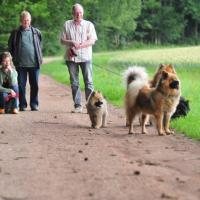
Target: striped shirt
x,y
79,33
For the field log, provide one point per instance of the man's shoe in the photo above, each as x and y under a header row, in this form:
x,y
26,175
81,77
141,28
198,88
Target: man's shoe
x,y
2,111
15,111
77,110
22,109
35,108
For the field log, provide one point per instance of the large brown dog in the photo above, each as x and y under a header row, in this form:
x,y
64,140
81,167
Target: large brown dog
x,y
160,101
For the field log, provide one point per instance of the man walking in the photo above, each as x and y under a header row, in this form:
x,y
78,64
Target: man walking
x,y
79,35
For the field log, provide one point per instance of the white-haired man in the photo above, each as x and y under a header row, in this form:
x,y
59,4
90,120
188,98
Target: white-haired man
x,y
25,46
79,35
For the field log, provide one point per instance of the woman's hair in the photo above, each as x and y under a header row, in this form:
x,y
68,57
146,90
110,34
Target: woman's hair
x,y
24,14
7,54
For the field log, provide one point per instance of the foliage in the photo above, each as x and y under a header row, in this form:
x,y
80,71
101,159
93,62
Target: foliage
x,y
116,22
147,21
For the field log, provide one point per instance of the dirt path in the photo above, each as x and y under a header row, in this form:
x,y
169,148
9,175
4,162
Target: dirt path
x,y
55,155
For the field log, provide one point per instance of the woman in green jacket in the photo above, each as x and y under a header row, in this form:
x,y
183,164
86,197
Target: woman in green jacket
x,y
8,85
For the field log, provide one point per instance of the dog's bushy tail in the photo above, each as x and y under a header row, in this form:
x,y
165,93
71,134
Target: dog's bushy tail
x,y
135,74
135,78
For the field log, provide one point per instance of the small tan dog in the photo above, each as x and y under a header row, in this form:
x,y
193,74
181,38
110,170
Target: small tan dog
x,y
97,109
160,101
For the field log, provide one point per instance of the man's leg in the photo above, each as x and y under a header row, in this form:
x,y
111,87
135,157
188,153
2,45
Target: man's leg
x,y
34,87
86,68
22,78
73,69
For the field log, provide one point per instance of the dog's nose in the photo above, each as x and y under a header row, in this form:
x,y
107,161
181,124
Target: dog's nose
x,y
174,85
98,103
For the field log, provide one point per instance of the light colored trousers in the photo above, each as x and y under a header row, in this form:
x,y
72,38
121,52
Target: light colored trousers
x,y
86,68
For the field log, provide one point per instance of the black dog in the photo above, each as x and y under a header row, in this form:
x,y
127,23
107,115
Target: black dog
x,y
182,109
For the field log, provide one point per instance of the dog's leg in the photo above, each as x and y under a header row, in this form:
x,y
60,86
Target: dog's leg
x,y
127,119
92,118
166,124
104,120
144,120
131,118
98,122
159,123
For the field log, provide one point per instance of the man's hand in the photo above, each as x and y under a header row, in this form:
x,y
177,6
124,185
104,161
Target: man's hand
x,y
76,45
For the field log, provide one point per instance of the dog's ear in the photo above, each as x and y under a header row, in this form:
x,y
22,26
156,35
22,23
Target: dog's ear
x,y
164,75
161,66
172,68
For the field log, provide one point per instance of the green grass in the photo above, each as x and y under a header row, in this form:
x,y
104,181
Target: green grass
x,y
108,67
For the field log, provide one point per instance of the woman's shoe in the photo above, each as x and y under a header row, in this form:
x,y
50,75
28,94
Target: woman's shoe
x,y
15,111
2,111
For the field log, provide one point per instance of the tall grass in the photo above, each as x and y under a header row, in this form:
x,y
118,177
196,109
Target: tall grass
x,y
109,66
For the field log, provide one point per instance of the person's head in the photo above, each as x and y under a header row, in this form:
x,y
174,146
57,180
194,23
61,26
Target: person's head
x,y
77,11
6,60
25,19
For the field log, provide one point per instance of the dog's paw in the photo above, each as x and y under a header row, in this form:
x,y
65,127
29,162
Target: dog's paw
x,y
161,134
95,126
169,132
144,132
131,132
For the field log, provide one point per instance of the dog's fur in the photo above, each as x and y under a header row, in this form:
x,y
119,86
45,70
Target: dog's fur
x,y
160,101
182,109
97,109
183,106
168,68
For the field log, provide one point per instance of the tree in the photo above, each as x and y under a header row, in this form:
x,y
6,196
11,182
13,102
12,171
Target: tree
x,y
159,22
192,16
115,22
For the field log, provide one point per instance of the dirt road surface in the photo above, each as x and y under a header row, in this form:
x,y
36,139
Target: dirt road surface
x,y
53,154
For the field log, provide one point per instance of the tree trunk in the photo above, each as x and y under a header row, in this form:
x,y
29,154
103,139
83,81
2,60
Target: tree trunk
x,y
196,26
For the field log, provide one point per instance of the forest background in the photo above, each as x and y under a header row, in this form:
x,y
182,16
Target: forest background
x,y
120,24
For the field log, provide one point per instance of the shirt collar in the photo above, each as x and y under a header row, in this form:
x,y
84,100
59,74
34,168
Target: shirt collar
x,y
81,23
28,29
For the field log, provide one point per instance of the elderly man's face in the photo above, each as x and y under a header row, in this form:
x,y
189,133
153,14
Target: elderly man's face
x,y
78,14
25,22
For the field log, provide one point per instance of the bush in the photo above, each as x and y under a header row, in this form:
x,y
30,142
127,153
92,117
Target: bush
x,y
4,42
51,43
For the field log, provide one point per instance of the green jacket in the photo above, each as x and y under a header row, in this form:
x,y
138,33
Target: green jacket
x,y
7,79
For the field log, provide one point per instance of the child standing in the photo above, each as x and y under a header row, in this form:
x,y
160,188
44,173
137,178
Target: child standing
x,y
8,85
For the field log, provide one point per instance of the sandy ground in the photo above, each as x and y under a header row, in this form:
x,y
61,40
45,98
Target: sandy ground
x,y
53,154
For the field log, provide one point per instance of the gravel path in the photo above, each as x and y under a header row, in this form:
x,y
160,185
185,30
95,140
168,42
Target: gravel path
x,y
53,154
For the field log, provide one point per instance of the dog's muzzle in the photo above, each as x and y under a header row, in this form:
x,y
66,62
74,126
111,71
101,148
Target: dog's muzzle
x,y
98,103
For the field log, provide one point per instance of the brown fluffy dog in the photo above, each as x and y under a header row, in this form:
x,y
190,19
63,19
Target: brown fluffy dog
x,y
97,109
160,101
